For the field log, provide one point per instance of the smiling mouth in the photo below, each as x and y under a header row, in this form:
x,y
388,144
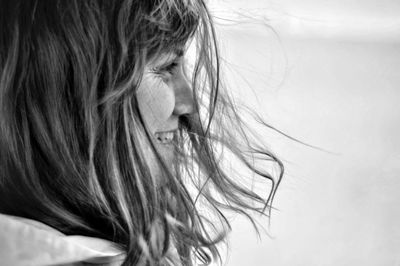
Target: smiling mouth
x,y
165,137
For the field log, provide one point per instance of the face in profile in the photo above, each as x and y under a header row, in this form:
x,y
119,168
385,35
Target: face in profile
x,y
164,95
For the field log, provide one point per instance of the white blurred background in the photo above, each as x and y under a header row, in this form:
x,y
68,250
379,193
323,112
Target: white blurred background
x,y
326,72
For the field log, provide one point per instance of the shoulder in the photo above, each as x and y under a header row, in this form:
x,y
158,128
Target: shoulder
x,y
29,242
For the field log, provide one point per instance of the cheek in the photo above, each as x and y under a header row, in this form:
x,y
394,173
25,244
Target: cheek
x,y
156,102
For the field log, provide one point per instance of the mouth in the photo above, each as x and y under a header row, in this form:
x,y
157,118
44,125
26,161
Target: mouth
x,y
166,137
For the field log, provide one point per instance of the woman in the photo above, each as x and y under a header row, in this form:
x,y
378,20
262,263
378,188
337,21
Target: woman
x,y
110,141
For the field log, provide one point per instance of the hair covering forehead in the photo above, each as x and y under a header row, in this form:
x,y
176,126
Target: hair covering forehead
x,y
171,23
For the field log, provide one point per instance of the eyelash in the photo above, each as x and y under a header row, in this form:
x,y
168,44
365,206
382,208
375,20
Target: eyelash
x,y
171,67
167,69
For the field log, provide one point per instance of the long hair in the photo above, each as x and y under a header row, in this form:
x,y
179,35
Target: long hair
x,y
72,135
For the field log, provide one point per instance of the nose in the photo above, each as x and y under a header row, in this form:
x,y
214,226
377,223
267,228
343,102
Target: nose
x,y
184,101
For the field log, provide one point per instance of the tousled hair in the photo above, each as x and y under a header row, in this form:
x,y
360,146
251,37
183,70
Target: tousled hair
x,y
72,135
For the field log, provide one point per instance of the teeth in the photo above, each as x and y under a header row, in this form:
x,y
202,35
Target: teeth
x,y
165,137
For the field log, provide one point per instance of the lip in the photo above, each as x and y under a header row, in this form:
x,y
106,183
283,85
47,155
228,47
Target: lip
x,y
166,130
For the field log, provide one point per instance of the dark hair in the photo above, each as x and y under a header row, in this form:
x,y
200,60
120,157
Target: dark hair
x,y
71,134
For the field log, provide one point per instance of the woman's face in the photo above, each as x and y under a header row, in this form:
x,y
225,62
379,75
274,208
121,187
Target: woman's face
x,y
163,96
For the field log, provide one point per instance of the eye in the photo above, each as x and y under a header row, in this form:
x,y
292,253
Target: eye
x,y
171,67
167,69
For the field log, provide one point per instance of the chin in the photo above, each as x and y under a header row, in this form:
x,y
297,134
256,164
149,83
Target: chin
x,y
167,152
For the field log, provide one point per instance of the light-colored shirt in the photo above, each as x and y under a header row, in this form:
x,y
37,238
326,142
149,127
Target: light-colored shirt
x,y
27,242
